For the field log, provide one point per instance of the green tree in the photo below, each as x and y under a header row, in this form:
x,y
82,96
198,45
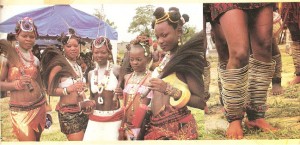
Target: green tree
x,y
141,22
188,32
101,15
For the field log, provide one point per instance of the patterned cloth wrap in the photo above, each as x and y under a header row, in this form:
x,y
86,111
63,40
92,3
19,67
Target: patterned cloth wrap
x,y
172,124
218,9
71,119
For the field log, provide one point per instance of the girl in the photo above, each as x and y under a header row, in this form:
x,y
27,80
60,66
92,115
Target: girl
x,y
135,85
105,120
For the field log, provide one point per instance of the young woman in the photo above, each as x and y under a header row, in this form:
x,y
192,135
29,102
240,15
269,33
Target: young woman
x,y
21,76
180,80
64,78
254,22
105,120
135,85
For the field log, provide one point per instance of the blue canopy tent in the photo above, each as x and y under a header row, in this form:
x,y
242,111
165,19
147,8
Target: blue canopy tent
x,y
53,20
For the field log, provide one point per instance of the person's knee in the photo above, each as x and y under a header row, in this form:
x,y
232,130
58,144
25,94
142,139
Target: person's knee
x,y
240,57
263,48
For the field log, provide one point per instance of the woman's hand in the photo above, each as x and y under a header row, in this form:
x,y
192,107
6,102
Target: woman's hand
x,y
77,87
119,92
157,85
87,106
21,83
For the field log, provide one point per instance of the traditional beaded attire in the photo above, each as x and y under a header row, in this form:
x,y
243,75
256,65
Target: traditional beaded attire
x,y
132,98
103,125
241,89
25,115
70,116
177,122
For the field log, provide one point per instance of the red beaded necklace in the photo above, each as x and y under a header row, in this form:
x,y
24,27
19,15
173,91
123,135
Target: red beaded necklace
x,y
20,54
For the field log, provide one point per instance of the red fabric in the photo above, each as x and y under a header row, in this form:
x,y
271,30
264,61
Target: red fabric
x,y
217,9
139,115
293,10
116,117
68,108
185,129
172,123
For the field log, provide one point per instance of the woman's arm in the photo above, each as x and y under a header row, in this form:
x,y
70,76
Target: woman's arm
x,y
4,85
77,87
197,92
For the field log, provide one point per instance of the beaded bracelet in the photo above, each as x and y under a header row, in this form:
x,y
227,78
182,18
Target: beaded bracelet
x,y
179,88
18,85
172,91
65,92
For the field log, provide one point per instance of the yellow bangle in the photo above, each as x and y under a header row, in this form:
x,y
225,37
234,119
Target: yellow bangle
x,y
181,86
184,98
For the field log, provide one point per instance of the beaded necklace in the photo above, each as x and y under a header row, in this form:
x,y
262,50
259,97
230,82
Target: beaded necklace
x,y
136,81
76,68
30,60
104,81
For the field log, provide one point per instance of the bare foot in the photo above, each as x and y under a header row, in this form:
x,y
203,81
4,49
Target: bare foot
x,y
296,80
235,131
277,89
260,123
206,111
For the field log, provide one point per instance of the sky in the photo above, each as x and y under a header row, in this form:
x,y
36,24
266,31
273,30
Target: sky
x,y
120,14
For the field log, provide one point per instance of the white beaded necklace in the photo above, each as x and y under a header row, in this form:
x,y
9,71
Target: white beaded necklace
x,y
76,69
104,81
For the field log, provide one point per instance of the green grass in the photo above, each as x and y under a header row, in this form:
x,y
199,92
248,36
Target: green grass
x,y
283,113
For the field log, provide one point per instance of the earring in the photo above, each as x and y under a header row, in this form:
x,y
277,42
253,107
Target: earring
x,y
17,44
179,41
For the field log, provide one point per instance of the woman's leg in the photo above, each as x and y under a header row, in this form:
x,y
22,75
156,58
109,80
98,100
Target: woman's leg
x,y
295,33
222,49
78,136
234,76
31,136
261,67
276,80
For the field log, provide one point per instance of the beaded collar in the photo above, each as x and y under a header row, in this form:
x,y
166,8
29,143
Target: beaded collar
x,y
23,58
76,68
104,81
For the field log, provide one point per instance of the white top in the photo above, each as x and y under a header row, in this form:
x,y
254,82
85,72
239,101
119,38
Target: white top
x,y
111,84
68,82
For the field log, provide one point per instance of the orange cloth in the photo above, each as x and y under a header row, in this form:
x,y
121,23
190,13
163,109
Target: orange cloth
x,y
24,120
14,72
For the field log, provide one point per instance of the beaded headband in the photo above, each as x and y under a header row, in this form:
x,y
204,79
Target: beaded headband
x,y
98,44
164,18
26,25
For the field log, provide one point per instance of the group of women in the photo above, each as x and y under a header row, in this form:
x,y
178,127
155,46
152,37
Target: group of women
x,y
155,103
163,94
